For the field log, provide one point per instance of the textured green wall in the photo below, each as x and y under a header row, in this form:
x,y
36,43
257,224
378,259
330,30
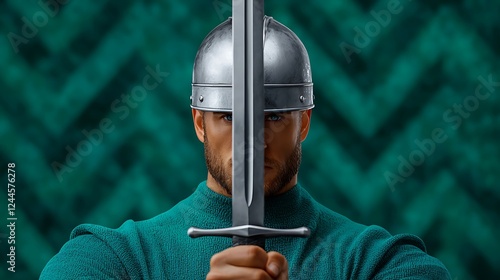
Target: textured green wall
x,y
405,91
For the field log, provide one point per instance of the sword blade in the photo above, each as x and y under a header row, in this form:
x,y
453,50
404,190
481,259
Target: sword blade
x,y
248,113
248,132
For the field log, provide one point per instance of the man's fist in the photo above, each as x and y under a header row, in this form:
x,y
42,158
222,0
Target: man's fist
x,y
248,262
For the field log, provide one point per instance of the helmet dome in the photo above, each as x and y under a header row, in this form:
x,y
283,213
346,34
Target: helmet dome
x,y
287,70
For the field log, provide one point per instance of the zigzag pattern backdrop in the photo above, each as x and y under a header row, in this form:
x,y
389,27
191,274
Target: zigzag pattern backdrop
x,y
94,112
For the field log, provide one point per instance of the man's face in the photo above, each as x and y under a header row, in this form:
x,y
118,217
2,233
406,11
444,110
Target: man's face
x,y
283,135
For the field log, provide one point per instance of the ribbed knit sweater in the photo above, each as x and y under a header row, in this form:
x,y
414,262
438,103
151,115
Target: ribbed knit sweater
x,y
159,248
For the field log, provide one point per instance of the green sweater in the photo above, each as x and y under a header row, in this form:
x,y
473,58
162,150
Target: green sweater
x,y
159,248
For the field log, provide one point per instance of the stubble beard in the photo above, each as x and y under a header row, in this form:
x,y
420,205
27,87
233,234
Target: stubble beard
x,y
284,172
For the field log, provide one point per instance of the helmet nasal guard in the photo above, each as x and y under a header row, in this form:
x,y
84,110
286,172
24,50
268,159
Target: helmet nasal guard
x,y
287,70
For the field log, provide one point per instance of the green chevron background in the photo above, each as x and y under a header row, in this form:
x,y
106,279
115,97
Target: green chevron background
x,y
405,132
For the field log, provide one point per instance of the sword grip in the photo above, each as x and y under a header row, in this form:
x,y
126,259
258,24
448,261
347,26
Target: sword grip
x,y
256,241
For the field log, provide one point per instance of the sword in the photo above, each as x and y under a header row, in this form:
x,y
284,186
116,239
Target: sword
x,y
248,123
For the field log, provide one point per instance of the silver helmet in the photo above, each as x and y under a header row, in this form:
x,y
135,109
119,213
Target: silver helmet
x,y
287,70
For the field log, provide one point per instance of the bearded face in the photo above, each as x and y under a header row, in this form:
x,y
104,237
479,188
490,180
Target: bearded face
x,y
282,154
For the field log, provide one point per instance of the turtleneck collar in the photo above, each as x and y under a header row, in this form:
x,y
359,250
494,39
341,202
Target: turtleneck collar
x,y
294,208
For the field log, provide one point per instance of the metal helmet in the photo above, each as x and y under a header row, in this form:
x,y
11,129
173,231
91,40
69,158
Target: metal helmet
x,y
287,70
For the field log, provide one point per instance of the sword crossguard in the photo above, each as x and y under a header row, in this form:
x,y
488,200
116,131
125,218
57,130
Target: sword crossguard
x,y
249,231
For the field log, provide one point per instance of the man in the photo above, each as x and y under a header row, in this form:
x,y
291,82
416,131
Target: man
x,y
159,248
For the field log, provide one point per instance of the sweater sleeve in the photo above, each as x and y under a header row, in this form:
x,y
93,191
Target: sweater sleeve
x,y
84,257
379,255
409,262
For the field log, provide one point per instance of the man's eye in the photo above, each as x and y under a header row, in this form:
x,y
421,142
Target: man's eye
x,y
273,117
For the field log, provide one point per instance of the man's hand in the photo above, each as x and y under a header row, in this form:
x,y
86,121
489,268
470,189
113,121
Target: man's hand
x,y
248,262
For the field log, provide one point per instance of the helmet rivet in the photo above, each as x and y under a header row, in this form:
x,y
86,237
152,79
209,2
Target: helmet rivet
x,y
191,98
302,98
201,98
